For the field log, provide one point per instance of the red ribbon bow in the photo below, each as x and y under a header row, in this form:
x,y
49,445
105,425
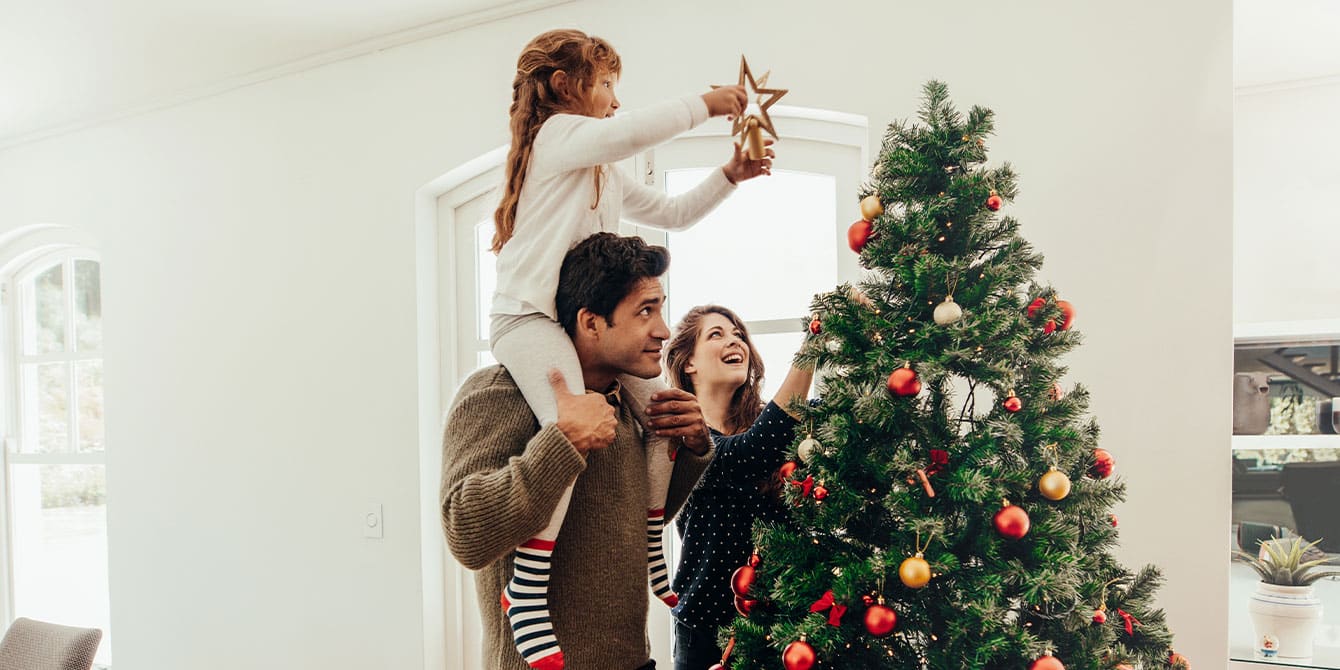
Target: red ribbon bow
x,y
939,459
835,611
805,486
1131,622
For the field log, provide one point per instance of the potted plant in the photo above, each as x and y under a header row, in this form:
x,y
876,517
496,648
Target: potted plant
x,y
1284,609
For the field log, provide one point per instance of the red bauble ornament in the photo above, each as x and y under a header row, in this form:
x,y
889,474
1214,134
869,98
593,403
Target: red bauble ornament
x,y
815,327
786,469
993,202
742,579
1177,660
1011,522
1099,616
717,666
1103,464
904,382
1034,306
1114,520
799,655
1013,403
858,234
820,493
880,619
1046,662
744,606
1050,327
1067,314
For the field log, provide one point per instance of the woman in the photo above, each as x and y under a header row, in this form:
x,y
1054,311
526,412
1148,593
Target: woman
x,y
712,357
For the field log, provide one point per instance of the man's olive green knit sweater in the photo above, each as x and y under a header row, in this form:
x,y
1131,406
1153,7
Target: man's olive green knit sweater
x,y
502,477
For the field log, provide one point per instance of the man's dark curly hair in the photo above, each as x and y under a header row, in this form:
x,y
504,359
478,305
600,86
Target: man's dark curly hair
x,y
601,271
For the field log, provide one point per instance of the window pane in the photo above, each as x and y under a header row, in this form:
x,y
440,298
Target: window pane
x,y
44,322
87,306
46,397
776,350
486,277
60,546
764,252
88,382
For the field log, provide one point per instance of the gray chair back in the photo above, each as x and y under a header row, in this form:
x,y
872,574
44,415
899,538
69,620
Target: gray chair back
x,y
37,645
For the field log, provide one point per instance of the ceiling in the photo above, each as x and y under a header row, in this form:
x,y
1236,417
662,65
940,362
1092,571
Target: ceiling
x,y
1285,40
67,63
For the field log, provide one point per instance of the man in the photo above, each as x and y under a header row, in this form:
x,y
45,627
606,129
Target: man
x,y
503,474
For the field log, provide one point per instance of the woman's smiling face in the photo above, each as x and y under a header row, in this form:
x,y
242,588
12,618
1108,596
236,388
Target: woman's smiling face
x,y
721,354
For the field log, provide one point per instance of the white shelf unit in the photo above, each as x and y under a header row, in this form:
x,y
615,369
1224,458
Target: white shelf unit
x,y
1241,442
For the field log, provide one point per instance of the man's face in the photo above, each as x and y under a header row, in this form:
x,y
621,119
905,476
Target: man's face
x,y
633,344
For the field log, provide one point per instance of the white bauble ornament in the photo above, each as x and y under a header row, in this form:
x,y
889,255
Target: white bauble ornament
x,y
948,312
807,448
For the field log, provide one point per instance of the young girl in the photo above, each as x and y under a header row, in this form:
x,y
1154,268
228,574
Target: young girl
x,y
712,356
561,189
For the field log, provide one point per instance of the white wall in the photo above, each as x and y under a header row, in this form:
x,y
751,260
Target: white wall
x,y
258,259
1287,225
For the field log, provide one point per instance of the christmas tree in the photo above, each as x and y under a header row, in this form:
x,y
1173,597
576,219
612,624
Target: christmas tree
x,y
951,507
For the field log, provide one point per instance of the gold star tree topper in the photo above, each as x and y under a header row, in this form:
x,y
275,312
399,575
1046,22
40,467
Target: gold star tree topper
x,y
762,119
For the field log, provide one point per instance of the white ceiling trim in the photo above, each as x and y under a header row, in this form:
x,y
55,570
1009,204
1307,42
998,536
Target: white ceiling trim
x,y
390,40
1290,85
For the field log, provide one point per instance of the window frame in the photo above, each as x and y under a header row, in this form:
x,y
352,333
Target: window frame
x,y
24,268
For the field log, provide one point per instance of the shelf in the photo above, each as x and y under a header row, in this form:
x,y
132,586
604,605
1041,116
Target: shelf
x,y
1293,333
1286,442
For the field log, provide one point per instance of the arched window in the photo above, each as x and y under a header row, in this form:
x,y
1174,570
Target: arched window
x,y
54,448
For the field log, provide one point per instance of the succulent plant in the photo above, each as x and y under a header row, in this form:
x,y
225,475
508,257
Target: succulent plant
x,y
1283,564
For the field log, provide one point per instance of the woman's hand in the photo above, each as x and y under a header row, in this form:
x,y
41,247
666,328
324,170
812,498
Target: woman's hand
x,y
741,167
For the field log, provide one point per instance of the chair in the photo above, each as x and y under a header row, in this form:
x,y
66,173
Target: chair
x,y
37,645
1313,491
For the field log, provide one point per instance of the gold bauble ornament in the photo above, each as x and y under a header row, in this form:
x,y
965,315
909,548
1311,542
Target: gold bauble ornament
x,y
871,207
1054,485
948,312
915,571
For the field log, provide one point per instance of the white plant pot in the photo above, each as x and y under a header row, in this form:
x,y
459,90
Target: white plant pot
x,y
1285,618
